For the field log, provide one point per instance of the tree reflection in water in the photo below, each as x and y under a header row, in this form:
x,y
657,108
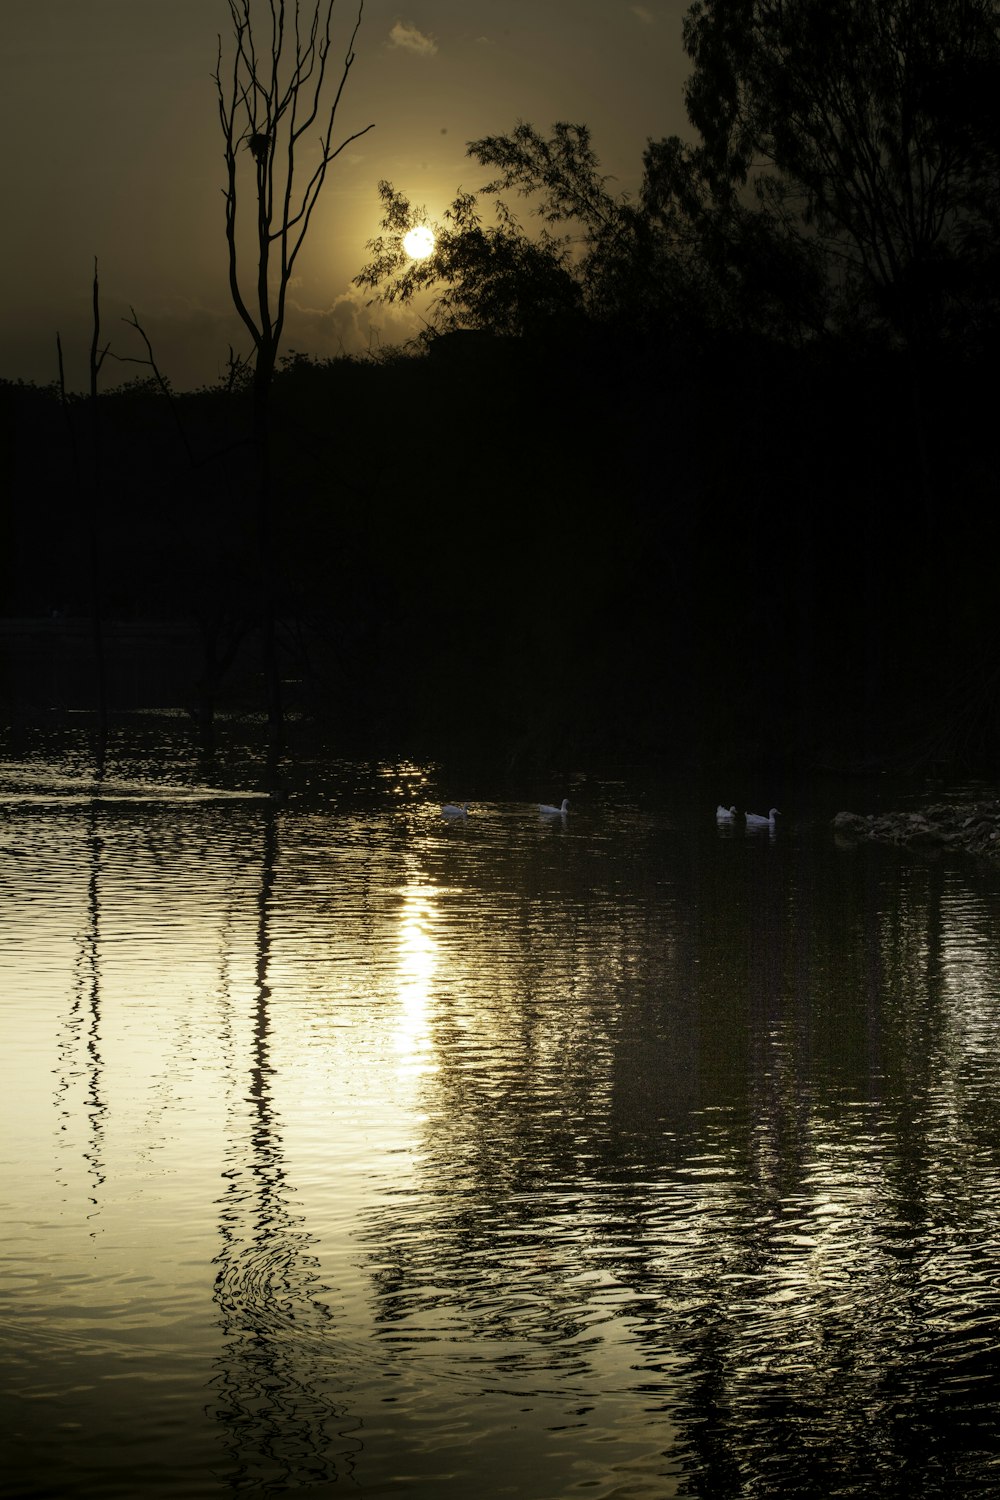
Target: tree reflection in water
x,y
82,1025
274,1383
764,1258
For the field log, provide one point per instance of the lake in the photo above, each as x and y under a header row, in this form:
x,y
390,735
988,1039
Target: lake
x,y
352,1150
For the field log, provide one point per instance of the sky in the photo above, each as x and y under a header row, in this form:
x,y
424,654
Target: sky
x,y
114,151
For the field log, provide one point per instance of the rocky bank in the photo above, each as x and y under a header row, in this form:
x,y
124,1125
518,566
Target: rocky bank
x,y
967,827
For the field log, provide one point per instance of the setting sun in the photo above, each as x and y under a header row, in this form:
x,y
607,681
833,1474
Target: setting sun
x,y
418,242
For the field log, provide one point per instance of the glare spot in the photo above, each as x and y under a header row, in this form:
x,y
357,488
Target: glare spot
x,y
419,242
417,961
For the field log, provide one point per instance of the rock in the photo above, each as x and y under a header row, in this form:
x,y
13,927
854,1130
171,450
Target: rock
x,y
972,829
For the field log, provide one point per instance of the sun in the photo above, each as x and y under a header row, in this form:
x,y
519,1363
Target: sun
x,y
418,242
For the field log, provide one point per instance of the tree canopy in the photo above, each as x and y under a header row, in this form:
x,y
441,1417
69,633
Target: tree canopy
x,y
847,119
843,175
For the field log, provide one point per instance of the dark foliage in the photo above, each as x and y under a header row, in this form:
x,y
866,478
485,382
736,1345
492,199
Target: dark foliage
x,y
608,543
845,177
863,125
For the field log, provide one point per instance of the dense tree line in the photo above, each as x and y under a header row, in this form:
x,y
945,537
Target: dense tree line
x,y
537,547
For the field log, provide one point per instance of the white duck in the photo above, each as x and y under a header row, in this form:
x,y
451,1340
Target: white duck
x,y
548,811
455,810
725,814
755,820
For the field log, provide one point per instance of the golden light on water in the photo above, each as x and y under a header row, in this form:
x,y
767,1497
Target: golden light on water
x,y
417,950
474,1107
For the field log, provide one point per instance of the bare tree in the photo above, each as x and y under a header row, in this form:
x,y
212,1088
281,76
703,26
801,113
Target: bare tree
x,y
277,87
92,489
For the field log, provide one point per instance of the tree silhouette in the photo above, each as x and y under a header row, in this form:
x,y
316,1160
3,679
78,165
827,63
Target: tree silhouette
x,y
672,261
269,101
846,177
834,111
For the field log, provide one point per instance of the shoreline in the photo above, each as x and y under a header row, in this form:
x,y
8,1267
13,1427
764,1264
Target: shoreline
x,y
971,828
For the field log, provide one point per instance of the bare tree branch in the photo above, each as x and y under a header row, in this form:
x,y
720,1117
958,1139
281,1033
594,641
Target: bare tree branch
x,y
267,106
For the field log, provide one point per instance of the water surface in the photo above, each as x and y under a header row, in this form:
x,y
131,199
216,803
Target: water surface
x,y
348,1149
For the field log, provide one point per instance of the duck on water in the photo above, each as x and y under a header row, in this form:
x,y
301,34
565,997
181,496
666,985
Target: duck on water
x,y
757,820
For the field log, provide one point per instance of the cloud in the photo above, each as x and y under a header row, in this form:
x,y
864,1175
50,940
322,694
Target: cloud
x,y
645,16
407,37
351,324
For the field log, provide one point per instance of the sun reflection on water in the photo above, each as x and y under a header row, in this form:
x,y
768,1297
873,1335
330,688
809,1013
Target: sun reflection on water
x,y
417,950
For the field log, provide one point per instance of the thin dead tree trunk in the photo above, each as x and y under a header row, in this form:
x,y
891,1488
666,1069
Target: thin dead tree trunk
x,y
267,104
92,489
96,526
